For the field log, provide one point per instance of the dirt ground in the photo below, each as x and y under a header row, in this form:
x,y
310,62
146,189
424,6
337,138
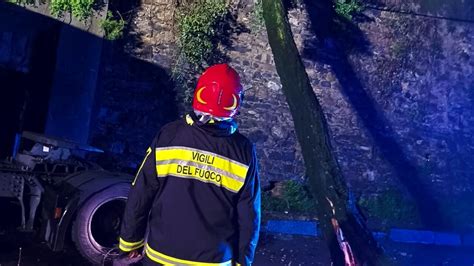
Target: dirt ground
x,y
273,250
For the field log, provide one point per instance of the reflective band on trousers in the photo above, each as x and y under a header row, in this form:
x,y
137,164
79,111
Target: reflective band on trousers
x,y
129,246
168,260
201,165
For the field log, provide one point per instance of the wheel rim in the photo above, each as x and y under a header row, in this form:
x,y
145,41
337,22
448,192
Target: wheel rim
x,y
104,223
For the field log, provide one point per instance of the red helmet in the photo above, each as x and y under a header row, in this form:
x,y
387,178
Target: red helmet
x,y
218,91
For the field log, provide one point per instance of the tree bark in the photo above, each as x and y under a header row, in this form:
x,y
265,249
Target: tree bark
x,y
322,169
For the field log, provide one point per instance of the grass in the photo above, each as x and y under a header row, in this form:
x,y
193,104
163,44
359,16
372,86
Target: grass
x,y
289,196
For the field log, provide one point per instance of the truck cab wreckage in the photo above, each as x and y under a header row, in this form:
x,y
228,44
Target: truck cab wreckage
x,y
64,196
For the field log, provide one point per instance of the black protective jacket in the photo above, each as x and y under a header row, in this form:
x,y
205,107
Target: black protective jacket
x,y
198,190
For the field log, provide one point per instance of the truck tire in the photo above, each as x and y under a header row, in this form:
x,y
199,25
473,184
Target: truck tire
x,y
96,228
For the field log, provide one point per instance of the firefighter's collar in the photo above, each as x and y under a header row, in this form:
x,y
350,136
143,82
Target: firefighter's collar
x,y
218,128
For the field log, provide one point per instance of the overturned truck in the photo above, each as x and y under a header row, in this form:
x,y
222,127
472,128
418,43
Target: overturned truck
x,y
64,196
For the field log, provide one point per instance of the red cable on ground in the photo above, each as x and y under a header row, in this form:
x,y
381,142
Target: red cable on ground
x,y
344,245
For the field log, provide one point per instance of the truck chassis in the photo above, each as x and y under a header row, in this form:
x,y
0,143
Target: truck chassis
x,y
64,196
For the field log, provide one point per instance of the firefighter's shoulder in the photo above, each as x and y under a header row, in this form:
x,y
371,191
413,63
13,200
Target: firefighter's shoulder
x,y
244,140
169,128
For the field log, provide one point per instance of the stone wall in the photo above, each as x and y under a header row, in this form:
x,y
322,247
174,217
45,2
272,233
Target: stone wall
x,y
150,46
135,93
265,116
419,76
397,94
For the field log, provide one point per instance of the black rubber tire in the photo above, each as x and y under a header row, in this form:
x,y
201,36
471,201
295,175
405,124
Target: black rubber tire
x,y
82,235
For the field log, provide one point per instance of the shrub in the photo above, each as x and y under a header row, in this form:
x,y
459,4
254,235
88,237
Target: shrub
x,y
81,9
293,197
347,8
390,207
197,30
113,28
22,2
257,22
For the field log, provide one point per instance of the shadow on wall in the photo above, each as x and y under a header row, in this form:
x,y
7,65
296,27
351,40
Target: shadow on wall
x,y
28,43
134,97
335,34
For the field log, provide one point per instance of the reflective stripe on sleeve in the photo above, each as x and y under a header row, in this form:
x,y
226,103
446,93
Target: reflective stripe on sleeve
x,y
129,246
168,260
148,152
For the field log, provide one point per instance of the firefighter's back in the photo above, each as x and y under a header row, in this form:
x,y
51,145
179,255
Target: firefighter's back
x,y
201,171
198,188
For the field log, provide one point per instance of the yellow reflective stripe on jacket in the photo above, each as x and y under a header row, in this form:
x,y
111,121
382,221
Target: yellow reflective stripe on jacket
x,y
201,165
168,260
129,246
189,120
148,152
205,167
185,169
204,157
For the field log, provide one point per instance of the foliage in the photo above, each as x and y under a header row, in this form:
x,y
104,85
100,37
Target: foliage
x,y
113,27
22,2
81,9
347,8
390,206
199,31
257,22
58,7
198,28
294,198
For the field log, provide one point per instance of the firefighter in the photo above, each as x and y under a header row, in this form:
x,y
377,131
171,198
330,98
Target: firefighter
x,y
196,196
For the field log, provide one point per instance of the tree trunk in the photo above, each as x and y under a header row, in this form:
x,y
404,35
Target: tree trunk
x,y
322,169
